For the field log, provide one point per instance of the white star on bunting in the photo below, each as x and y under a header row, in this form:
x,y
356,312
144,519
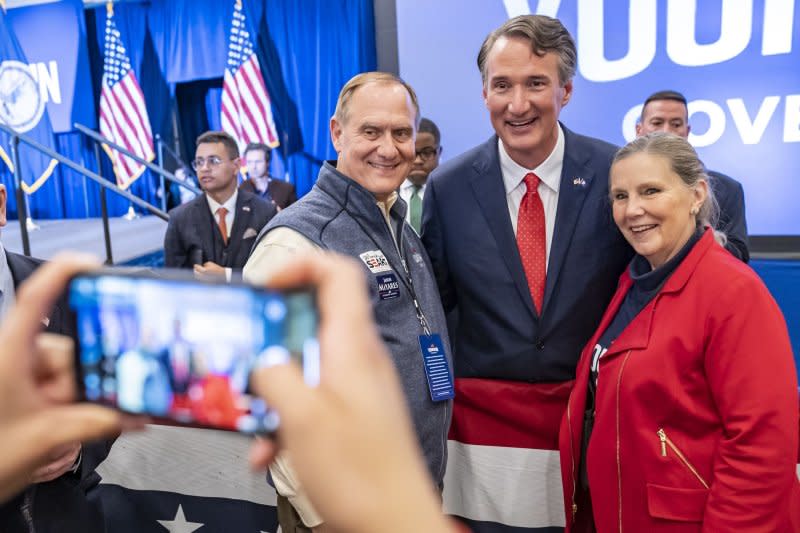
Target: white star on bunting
x,y
179,523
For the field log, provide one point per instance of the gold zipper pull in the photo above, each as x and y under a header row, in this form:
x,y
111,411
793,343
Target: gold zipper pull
x,y
662,435
574,511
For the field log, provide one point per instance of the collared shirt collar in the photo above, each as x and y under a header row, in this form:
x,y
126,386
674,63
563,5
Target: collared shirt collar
x,y
230,203
549,171
386,207
408,185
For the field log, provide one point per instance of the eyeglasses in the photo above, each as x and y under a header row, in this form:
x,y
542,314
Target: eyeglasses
x,y
212,161
428,153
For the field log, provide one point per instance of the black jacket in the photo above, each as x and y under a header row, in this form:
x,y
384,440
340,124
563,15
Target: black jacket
x,y
64,503
193,237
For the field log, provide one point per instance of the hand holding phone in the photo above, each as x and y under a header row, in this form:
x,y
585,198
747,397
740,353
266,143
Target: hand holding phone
x,y
181,350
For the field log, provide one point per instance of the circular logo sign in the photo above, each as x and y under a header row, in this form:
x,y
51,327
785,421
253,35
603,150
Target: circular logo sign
x,y
21,103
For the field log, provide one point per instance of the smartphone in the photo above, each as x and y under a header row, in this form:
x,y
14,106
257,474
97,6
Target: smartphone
x,y
164,344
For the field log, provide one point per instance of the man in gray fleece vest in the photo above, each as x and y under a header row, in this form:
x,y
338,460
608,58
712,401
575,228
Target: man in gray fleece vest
x,y
354,210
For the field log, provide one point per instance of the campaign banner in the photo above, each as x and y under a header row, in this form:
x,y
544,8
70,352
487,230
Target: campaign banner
x,y
53,39
736,61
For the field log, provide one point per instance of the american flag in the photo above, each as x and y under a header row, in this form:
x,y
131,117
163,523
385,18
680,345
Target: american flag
x,y
123,115
246,107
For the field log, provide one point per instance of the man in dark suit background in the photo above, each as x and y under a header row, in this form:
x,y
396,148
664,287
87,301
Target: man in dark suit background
x,y
257,157
57,498
214,232
667,111
520,234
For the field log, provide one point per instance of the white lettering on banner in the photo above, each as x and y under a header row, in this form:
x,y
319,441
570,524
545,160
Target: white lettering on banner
x,y
629,122
791,119
591,44
750,130
716,122
736,30
777,36
521,7
46,75
683,48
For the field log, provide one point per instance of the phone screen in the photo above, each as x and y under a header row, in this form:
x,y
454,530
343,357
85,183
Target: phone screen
x,y
182,350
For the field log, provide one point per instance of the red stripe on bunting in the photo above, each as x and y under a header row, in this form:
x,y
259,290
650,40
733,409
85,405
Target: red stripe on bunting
x,y
515,414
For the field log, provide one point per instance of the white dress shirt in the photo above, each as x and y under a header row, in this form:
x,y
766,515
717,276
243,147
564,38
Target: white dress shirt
x,y
406,190
549,173
230,205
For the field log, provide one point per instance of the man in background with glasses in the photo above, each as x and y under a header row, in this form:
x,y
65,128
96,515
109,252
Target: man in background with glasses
x,y
412,190
214,232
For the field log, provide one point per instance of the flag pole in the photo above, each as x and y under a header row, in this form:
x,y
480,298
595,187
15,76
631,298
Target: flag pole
x,y
131,214
29,222
21,207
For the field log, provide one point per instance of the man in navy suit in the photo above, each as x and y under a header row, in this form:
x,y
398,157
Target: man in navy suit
x,y
214,232
520,233
667,111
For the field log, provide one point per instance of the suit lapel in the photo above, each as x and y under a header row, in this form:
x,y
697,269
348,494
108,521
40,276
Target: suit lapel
x,y
576,181
201,217
20,268
241,220
487,185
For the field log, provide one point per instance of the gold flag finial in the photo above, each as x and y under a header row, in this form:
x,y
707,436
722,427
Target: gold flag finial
x,y
110,9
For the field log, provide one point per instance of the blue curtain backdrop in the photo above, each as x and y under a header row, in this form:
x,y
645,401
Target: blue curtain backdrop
x,y
178,48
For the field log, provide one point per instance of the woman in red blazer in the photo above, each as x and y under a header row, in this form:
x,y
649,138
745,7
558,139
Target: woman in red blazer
x,y
684,413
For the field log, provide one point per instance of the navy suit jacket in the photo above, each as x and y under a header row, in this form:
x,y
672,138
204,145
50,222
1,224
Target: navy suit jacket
x,y
468,234
62,504
730,197
193,236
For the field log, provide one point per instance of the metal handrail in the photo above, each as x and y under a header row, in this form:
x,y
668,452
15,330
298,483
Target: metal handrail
x,y
154,168
175,155
97,178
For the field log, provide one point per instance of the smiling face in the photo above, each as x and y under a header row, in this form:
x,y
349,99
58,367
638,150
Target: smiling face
x,y
375,142
652,206
524,97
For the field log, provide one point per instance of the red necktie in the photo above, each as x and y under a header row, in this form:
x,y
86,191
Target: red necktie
x,y
531,240
223,226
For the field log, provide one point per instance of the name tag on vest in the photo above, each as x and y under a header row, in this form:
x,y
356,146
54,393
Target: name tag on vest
x,y
388,286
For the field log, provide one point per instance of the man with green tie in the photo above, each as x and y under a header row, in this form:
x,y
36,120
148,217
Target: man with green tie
x,y
413,188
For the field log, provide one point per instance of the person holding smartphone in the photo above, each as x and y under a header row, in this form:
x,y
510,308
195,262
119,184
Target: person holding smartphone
x,y
339,437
